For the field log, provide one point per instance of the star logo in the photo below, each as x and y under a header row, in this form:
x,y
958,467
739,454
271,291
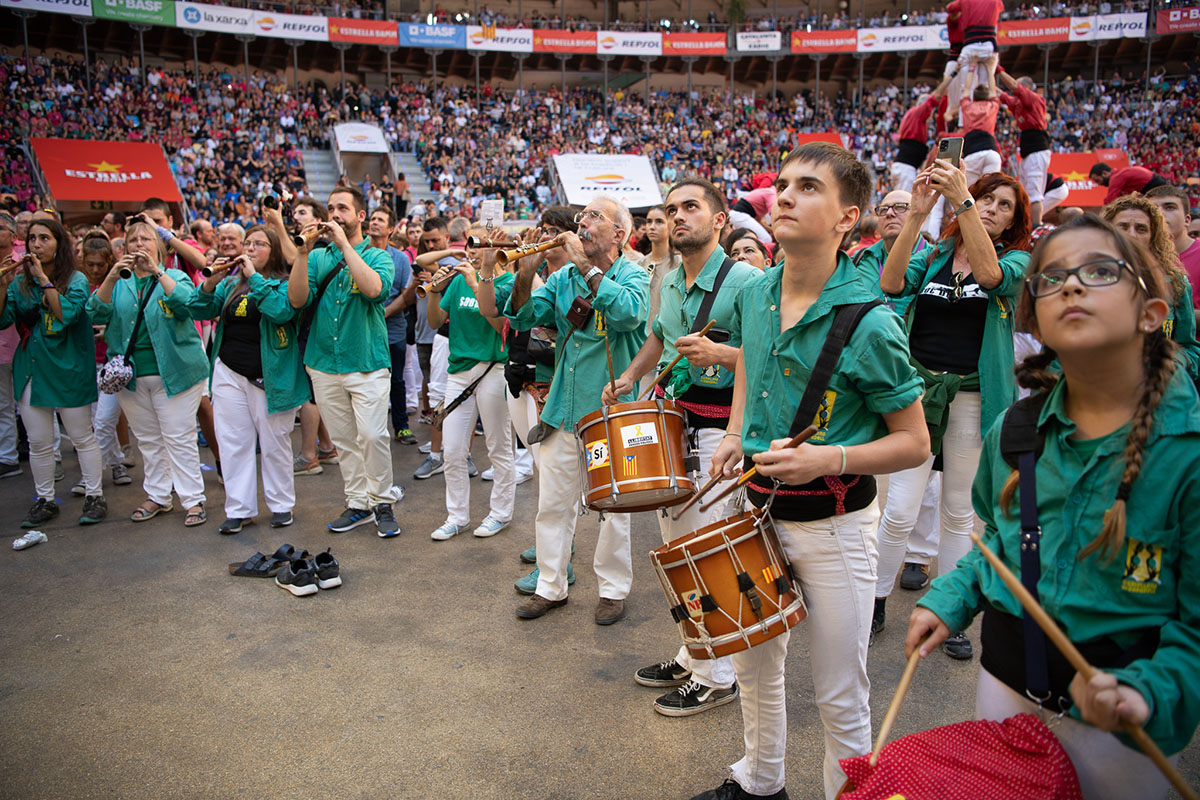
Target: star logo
x,y
1075,176
104,166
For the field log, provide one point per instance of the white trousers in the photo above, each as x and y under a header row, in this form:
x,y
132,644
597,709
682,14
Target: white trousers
x,y
716,672
488,403
960,459
40,427
740,219
522,409
558,509
976,165
165,428
834,560
8,416
903,176
412,377
1107,769
1033,174
354,406
241,419
439,369
106,413
1054,198
923,541
981,51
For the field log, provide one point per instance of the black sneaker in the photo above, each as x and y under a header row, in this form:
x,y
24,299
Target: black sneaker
x,y
281,519
958,647
693,698
385,521
299,576
350,519
42,511
915,576
666,673
9,470
878,618
328,571
730,790
95,508
233,525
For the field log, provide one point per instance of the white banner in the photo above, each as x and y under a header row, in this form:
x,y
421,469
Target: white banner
x,y
621,43
290,26
221,19
359,137
80,8
1120,26
912,37
628,178
507,40
767,41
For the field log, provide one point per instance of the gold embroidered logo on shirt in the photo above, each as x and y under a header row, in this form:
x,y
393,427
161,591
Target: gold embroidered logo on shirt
x,y
243,307
824,413
1169,327
1143,567
601,325
48,321
281,335
168,313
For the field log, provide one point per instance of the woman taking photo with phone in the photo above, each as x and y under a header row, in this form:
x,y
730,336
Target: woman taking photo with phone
x,y
54,365
258,379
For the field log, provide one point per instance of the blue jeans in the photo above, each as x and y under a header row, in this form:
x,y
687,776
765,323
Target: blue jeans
x,y
398,396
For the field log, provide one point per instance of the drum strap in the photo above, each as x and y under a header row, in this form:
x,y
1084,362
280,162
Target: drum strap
x,y
710,297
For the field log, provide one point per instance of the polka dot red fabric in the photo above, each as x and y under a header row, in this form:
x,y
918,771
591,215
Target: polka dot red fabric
x,y
1017,759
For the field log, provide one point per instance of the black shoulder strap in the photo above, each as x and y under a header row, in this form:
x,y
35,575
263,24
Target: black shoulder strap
x,y
311,311
707,303
845,320
858,257
1019,431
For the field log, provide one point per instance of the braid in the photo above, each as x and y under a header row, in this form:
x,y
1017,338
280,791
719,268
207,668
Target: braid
x,y
1034,372
1160,366
1008,492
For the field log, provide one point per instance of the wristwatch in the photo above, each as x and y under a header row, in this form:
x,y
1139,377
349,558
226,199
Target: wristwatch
x,y
967,204
592,273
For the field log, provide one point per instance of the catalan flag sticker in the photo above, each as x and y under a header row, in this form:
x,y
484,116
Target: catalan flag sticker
x,y
771,573
629,469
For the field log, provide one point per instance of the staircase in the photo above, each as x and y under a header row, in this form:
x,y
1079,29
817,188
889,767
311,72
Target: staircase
x,y
321,172
418,182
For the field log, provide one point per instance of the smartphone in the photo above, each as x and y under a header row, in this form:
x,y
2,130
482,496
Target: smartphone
x,y
718,335
950,149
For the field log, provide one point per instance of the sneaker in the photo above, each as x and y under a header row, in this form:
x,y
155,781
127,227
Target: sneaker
x,y
694,698
447,530
471,470
328,571
10,470
958,647
59,472
79,490
490,527
914,577
385,521
220,475
127,457
329,456
529,555
528,584
281,519
425,449
120,475
487,474
233,525
95,508
730,790
536,606
426,417
302,467
405,436
200,440
666,673
479,427
432,465
524,477
350,519
42,511
299,576
609,611
29,540
878,618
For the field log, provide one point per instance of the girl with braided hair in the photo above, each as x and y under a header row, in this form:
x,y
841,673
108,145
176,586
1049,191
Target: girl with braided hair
x,y
1118,503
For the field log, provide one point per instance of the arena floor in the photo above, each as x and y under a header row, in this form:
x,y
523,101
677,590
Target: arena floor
x,y
135,666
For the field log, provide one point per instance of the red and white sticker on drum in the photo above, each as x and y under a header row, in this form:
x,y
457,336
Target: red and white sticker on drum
x,y
639,434
597,454
691,600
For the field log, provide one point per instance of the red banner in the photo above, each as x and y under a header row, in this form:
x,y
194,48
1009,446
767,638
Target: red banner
x,y
824,41
828,136
1034,31
363,31
1179,20
694,44
550,41
1073,168
112,171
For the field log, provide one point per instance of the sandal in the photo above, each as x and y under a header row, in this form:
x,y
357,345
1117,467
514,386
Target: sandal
x,y
195,516
149,510
261,566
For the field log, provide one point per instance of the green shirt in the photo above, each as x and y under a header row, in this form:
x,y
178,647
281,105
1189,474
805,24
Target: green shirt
x,y
1152,581
619,316
679,305
869,263
348,332
177,348
473,340
873,376
144,363
59,357
997,380
283,372
1180,327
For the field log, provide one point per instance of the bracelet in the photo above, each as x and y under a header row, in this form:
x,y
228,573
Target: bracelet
x,y
486,280
47,286
738,435
843,449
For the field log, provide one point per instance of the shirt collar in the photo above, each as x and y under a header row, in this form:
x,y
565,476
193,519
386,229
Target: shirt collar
x,y
1178,412
708,273
844,286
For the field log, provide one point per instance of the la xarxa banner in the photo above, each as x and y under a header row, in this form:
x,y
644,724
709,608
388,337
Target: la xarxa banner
x,y
1034,31
147,12
760,42
363,31
505,40
86,170
1179,20
624,43
694,44
628,178
1073,168
80,8
550,41
824,41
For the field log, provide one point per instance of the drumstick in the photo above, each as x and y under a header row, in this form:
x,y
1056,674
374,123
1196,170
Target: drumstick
x,y
667,369
694,498
1086,670
894,707
797,440
612,379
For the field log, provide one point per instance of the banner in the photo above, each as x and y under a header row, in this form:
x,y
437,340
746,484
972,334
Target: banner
x,y
824,41
359,137
290,26
1176,20
453,37
80,8
1073,168
78,170
148,12
765,42
547,41
1120,26
694,44
221,19
1033,31
629,44
913,37
505,40
363,31
628,178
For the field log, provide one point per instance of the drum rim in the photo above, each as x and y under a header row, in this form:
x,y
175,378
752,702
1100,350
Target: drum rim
x,y
678,485
707,553
740,634
582,426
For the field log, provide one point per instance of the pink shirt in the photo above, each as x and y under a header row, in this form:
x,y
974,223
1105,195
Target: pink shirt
x,y
980,115
1190,259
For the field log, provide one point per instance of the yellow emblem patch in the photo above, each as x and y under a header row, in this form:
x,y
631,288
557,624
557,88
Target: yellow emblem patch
x,y
824,413
1143,568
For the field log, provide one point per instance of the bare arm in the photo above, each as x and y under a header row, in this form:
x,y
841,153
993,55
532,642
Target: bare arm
x,y
298,278
924,196
188,253
981,252
727,460
274,218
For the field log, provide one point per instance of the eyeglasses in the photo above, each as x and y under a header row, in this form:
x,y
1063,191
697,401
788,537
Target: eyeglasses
x,y
1101,272
255,244
589,213
897,208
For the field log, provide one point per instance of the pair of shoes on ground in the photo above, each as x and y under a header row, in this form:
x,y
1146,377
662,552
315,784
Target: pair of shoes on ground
x,y
95,509
232,525
405,436
608,610
691,696
489,527
956,646
304,575
730,790
260,565
382,515
436,465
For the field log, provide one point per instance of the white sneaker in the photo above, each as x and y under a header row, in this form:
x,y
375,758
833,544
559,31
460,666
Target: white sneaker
x,y
425,449
79,490
486,475
447,530
29,540
490,527
524,477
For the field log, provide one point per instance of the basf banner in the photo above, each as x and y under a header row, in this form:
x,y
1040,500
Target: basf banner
x,y
628,178
913,37
1176,20
451,37
504,40
147,12
363,31
623,43
764,42
80,8
824,41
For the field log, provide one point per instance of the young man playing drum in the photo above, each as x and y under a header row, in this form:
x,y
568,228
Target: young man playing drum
x,y
616,289
701,384
869,422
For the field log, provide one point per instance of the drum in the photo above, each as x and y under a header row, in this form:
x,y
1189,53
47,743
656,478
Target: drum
x,y
730,585
634,457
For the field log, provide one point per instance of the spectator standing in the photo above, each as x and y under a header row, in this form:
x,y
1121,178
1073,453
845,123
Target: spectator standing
x,y
9,466
1176,211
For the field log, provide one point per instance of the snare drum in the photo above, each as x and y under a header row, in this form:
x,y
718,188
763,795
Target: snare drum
x,y
729,585
633,457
